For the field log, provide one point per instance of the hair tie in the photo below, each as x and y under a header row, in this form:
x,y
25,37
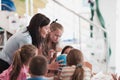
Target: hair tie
x,y
79,65
55,21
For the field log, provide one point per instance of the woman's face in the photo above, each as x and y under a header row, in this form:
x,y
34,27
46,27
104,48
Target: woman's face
x,y
44,30
55,35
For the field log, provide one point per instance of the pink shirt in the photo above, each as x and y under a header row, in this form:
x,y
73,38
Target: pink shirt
x,y
22,75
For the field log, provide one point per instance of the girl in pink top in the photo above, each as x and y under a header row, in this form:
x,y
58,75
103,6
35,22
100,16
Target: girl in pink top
x,y
19,68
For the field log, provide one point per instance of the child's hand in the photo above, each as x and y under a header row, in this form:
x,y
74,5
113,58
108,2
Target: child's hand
x,y
53,66
51,52
53,57
89,65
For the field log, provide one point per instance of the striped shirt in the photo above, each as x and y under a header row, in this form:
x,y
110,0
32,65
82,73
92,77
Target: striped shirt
x,y
68,71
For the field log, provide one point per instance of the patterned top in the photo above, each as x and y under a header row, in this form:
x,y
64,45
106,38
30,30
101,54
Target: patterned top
x,y
68,71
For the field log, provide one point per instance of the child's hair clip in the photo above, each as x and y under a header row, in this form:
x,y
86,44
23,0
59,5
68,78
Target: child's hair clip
x,y
55,21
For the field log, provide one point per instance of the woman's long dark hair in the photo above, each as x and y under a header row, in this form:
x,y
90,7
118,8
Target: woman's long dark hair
x,y
21,57
37,21
75,57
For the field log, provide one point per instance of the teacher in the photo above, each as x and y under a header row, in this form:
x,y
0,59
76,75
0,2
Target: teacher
x,y
34,34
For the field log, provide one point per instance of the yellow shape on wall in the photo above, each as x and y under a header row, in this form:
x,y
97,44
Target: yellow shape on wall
x,y
21,8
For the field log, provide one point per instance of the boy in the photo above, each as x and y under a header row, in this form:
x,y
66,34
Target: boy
x,y
38,68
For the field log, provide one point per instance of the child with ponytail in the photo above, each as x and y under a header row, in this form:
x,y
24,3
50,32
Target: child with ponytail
x,y
75,70
19,68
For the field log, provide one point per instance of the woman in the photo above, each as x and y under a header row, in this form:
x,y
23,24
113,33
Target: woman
x,y
34,34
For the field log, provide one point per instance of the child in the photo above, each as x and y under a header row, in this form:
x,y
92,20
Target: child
x,y
19,68
64,53
61,60
75,70
38,68
52,39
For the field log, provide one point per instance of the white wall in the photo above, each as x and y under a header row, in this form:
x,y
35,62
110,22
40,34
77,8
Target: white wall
x,y
108,9
118,38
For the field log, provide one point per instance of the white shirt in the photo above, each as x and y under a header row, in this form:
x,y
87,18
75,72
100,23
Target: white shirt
x,y
15,42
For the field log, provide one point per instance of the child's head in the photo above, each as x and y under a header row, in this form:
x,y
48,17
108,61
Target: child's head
x,y
75,57
22,57
38,66
24,54
66,49
56,32
52,40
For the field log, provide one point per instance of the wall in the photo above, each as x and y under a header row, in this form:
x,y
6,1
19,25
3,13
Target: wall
x,y
108,9
117,42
